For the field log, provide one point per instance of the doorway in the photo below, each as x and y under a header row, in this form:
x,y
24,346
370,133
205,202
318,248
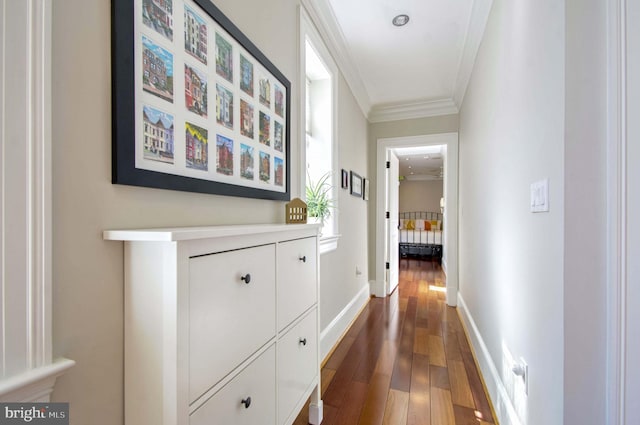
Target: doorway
x,y
385,242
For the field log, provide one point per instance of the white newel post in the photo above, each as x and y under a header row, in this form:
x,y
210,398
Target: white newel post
x,y
27,370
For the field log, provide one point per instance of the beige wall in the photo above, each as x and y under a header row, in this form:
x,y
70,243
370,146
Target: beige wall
x,y
390,129
87,271
511,260
420,195
338,268
585,174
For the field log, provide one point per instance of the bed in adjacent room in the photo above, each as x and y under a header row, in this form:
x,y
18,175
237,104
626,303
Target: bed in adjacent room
x,y
420,235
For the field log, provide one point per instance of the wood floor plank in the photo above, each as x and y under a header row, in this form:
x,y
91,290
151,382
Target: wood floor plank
x,y
326,376
368,362
439,377
464,415
349,412
374,405
340,352
441,407
477,389
395,412
436,351
337,389
420,396
451,345
401,378
421,344
460,389
387,358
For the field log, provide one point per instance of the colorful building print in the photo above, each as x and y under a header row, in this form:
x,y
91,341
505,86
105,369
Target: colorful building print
x,y
246,119
158,15
157,129
224,58
278,171
278,131
265,91
157,70
197,149
265,167
279,101
246,162
224,107
195,91
246,76
195,35
224,158
265,127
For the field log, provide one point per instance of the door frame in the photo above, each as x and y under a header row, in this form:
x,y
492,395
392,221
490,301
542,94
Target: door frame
x,y
621,384
450,140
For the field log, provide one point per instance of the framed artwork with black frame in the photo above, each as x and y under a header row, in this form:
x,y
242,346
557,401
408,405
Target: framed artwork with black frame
x,y
345,179
196,105
356,185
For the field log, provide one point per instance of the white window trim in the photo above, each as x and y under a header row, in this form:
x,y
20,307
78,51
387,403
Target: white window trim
x,y
307,30
34,22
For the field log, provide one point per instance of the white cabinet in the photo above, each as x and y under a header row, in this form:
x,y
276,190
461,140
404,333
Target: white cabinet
x,y
221,324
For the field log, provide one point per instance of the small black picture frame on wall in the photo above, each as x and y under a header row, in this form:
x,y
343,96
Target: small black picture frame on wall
x,y
208,114
345,179
356,184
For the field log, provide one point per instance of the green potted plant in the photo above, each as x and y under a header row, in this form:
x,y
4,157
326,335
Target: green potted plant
x,y
319,203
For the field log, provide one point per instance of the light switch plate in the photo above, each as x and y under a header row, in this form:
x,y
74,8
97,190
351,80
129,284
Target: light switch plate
x,y
540,196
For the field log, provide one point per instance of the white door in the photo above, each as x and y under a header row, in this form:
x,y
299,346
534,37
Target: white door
x,y
392,222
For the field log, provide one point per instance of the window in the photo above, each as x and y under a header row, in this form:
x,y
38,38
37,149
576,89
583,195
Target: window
x,y
320,112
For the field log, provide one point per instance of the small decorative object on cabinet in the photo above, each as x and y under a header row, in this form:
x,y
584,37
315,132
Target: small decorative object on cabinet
x,y
295,212
221,324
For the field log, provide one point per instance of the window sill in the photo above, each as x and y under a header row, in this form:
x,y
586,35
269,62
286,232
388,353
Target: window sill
x,y
328,243
34,385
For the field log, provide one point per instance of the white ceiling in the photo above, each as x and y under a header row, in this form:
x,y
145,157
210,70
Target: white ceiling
x,y
416,62
421,69
421,163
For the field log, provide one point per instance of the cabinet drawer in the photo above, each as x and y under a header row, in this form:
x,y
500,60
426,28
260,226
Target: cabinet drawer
x,y
256,382
297,269
297,364
229,318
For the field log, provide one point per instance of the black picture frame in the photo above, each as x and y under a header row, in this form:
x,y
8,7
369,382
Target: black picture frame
x,y
128,36
356,185
345,179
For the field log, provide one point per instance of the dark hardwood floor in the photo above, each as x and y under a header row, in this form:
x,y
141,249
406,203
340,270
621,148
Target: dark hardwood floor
x,y
405,361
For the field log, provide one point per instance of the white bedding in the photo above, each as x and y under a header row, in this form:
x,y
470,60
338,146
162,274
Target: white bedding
x,y
433,237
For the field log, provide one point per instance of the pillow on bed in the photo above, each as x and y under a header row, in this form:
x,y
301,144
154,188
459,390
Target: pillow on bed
x,y
401,224
436,224
427,225
419,224
410,225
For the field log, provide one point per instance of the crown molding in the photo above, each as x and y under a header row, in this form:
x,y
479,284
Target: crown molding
x,y
322,16
475,32
410,110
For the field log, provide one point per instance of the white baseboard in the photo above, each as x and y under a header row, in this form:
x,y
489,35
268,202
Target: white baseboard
x,y
332,333
498,394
